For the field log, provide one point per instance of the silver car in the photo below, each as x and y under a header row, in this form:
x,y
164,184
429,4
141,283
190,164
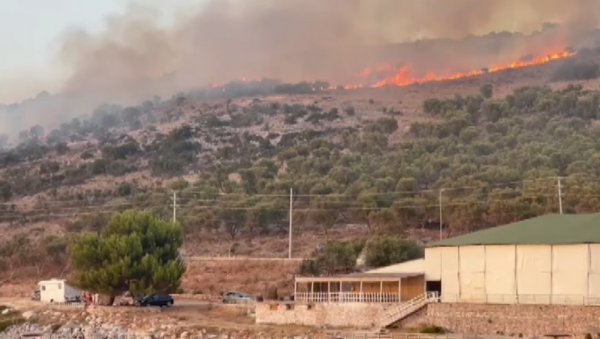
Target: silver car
x,y
237,298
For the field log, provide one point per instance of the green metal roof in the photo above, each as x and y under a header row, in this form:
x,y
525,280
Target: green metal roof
x,y
551,229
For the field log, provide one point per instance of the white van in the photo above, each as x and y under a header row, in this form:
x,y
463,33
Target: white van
x,y
58,291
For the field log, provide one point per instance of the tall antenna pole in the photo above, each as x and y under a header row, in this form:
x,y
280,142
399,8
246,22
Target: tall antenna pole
x,y
174,207
291,221
560,207
441,214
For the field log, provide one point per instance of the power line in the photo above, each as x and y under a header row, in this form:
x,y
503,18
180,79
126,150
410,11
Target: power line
x,y
166,195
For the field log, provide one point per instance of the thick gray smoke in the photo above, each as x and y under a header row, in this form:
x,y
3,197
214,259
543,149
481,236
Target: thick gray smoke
x,y
296,40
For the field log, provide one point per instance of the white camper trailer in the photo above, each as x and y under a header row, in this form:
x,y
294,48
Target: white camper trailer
x,y
58,291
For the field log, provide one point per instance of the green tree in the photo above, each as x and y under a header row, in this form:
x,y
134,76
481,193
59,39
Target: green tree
x,y
336,257
486,91
136,252
324,212
5,191
388,250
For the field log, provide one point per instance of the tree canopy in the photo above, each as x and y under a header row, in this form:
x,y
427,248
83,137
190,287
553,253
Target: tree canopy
x,y
388,250
135,252
335,257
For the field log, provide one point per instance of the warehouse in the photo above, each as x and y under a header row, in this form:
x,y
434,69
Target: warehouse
x,y
552,259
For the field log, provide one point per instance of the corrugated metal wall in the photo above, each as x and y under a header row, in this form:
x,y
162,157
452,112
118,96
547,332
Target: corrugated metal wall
x,y
540,274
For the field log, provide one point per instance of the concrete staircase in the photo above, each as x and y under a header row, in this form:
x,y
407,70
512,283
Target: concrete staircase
x,y
403,310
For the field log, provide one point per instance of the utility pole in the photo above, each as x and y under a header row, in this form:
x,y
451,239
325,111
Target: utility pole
x,y
441,210
560,208
291,221
174,207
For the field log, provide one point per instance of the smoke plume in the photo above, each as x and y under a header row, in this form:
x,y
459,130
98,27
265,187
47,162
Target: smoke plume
x,y
295,40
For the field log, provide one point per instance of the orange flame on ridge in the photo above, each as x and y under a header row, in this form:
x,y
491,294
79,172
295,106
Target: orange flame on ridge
x,y
403,76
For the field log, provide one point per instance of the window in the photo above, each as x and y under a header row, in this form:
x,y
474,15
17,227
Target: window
x,y
43,287
59,286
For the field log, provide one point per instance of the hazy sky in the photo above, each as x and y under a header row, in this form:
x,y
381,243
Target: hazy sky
x,y
58,45
30,32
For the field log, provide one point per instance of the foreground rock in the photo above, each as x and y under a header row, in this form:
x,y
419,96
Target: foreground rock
x,y
53,322
109,332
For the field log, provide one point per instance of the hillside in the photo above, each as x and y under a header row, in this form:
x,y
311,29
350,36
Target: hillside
x,y
360,162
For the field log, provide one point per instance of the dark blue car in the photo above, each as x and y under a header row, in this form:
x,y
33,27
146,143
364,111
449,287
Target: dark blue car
x,y
161,300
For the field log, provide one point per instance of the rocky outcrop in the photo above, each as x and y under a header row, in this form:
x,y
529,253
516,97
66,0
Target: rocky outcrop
x,y
129,323
105,331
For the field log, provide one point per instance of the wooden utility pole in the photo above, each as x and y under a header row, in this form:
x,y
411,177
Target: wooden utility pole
x,y
291,222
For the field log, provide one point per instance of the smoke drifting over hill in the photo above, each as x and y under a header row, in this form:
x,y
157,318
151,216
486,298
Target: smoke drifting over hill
x,y
296,40
306,40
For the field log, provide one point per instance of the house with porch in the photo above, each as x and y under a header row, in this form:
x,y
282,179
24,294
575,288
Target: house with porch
x,y
534,269
370,287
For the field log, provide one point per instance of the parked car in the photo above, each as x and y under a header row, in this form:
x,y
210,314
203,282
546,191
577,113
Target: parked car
x,y
162,300
237,298
73,299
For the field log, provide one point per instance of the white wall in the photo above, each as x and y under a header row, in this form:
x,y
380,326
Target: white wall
x,y
472,273
449,274
594,274
570,266
500,263
536,274
433,264
52,291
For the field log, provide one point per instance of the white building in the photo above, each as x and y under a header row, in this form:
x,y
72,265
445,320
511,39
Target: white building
x,y
57,291
553,259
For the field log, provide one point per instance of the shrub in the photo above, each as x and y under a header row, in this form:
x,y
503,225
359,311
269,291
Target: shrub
x,y
309,267
5,191
576,71
99,166
124,189
121,152
388,250
335,257
486,91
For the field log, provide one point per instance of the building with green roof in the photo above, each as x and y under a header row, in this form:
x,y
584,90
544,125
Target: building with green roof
x,y
551,229
552,259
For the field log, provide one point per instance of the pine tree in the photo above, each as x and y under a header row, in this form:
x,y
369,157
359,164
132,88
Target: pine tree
x,y
136,252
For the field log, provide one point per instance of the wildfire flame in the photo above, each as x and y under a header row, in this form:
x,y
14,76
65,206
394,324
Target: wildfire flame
x,y
403,76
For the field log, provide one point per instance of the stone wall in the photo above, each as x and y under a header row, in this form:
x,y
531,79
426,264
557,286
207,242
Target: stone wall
x,y
528,320
470,319
340,315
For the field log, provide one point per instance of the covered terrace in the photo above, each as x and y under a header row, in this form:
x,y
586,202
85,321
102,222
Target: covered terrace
x,y
360,287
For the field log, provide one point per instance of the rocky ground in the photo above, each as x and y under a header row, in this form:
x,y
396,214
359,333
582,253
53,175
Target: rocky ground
x,y
188,319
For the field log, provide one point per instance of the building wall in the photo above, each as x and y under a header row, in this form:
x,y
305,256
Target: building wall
x,y
412,287
464,318
528,320
50,291
351,315
536,274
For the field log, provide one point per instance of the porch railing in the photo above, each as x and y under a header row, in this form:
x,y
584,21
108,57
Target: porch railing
x,y
347,297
